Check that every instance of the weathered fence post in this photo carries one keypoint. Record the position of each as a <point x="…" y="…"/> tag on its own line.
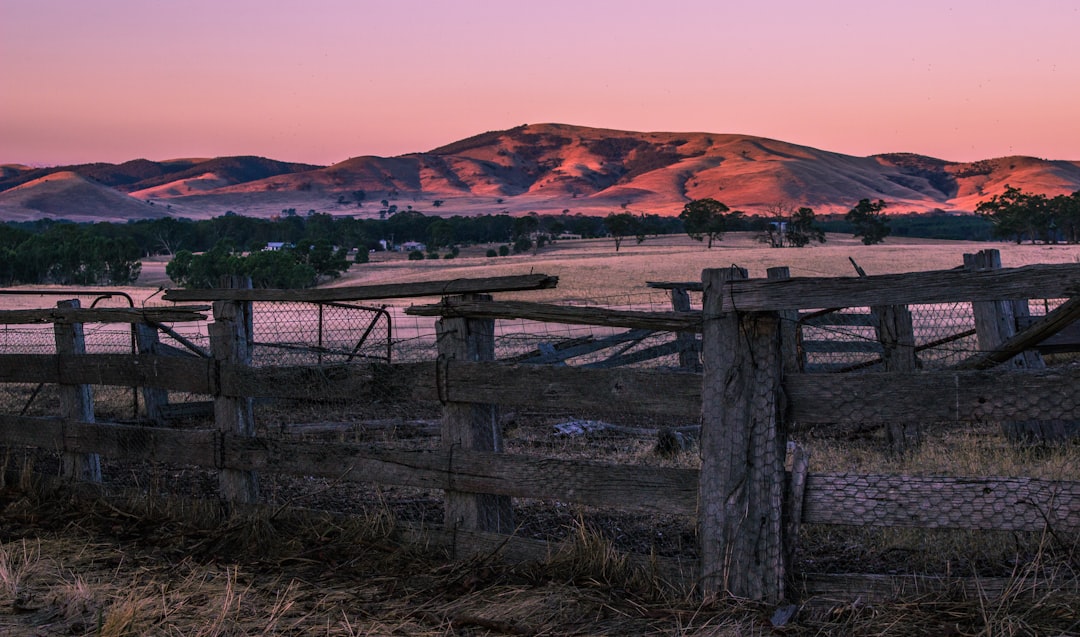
<point x="896" y="333"/>
<point x="743" y="445"/>
<point x="154" y="398"/>
<point x="995" y="323"/>
<point x="685" y="342"/>
<point x="471" y="426"/>
<point x="230" y="342"/>
<point x="76" y="401"/>
<point x="789" y="325"/>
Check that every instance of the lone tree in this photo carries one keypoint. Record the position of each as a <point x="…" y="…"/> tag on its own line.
<point x="705" y="218"/>
<point x="621" y="225"/>
<point x="870" y="222"/>
<point x="801" y="229"/>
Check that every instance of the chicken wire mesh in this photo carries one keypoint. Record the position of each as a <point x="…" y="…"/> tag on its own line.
<point x="100" y="338"/>
<point x="846" y="339"/>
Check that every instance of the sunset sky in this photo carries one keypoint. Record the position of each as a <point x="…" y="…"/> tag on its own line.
<point x="320" y="81"/>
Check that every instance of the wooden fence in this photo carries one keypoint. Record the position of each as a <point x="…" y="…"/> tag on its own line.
<point x="749" y="496"/>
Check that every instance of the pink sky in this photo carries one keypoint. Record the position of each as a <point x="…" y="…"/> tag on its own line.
<point x="320" y="81"/>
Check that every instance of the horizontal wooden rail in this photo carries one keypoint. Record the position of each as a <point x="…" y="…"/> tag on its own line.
<point x="673" y="394"/>
<point x="68" y="315"/>
<point x="120" y="442"/>
<point x="913" y="288"/>
<point x="188" y="374"/>
<point x="929" y="396"/>
<point x="635" y="488"/>
<point x="371" y="292"/>
<point x="983" y="503"/>
<point x="573" y="315"/>
<point x="935" y="396"/>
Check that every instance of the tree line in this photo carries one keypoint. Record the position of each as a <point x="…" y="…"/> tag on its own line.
<point x="315" y="246"/>
<point x="1017" y="215"/>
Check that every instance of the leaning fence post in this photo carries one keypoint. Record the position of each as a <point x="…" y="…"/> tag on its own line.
<point x="471" y="426"/>
<point x="76" y="401"/>
<point x="230" y="342"/>
<point x="743" y="446"/>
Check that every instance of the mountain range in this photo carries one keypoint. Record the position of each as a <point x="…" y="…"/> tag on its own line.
<point x="547" y="168"/>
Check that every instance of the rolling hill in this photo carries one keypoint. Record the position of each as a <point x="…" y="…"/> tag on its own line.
<point x="557" y="167"/>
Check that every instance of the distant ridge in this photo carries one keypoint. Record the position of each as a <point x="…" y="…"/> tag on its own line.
<point x="558" y="167"/>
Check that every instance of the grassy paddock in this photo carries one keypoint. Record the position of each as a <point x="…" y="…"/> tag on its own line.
<point x="74" y="563"/>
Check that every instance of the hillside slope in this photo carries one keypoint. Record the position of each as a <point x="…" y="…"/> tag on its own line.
<point x="558" y="167"/>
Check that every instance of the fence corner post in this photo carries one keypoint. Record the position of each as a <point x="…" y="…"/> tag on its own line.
<point x="76" y="401"/>
<point x="743" y="447"/>
<point x="471" y="426"/>
<point x="230" y="342"/>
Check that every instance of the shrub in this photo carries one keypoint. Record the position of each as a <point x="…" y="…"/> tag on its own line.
<point x="504" y="251"/>
<point x="492" y="252"/>
<point x="416" y="255"/>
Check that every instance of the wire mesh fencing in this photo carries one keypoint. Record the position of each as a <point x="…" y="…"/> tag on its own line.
<point x="100" y="338"/>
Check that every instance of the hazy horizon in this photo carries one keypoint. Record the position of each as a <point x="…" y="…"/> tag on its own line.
<point x="321" y="81"/>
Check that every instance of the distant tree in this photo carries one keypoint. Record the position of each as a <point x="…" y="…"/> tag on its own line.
<point x="1016" y="214"/>
<point x="491" y="252"/>
<point x="504" y="251"/>
<point x="869" y="221"/>
<point x="416" y="255"/>
<point x="704" y="218"/>
<point x="801" y="228"/>
<point x="777" y="216"/>
<point x="522" y="245"/>
<point x="525" y="226"/>
<point x="621" y="225"/>
<point x="1064" y="212"/>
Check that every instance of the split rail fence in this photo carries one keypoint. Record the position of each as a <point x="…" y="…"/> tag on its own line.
<point x="752" y="491"/>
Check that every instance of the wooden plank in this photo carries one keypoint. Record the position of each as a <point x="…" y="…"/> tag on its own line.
<point x="1002" y="504"/>
<point x="70" y="315"/>
<point x="934" y="396"/>
<point x="635" y="488"/>
<point x="674" y="394"/>
<point x="1064" y="315"/>
<point x="640" y="356"/>
<point x="307" y="382"/>
<point x="119" y="442"/>
<point x="180" y="374"/>
<point x="370" y="292"/>
<point x="1052" y="281"/>
<point x="24" y="431"/>
<point x="1066" y="340"/>
<point x="588" y="347"/>
<point x="573" y="315"/>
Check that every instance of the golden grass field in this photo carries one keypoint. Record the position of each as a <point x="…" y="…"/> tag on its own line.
<point x="74" y="564"/>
